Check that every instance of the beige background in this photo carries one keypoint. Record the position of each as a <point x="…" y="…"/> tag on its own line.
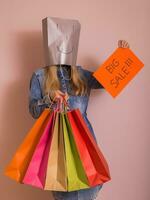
<point x="121" y="125"/>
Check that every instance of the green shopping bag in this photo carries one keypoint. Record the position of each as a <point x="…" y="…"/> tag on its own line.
<point x="76" y="176"/>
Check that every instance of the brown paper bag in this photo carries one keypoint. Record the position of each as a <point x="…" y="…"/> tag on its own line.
<point x="56" y="176"/>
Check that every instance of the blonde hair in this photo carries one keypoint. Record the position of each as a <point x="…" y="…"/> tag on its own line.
<point x="51" y="81"/>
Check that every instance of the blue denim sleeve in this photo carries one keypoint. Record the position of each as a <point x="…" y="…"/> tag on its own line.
<point x="36" y="104"/>
<point x="91" y="80"/>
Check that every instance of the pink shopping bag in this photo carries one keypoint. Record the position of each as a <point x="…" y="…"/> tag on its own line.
<point x="36" y="172"/>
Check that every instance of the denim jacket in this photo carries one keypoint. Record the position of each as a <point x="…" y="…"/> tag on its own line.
<point x="36" y="92"/>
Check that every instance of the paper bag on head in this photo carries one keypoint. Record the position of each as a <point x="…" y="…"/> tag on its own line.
<point x="118" y="70"/>
<point x="60" y="39"/>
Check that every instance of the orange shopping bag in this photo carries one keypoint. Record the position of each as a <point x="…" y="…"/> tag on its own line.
<point x="116" y="72"/>
<point x="16" y="169"/>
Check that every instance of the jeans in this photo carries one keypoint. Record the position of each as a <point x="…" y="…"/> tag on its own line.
<point x="84" y="194"/>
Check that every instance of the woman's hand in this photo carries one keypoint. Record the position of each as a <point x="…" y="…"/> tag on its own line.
<point x="123" y="44"/>
<point x="59" y="95"/>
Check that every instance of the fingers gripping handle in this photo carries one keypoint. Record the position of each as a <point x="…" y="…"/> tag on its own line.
<point x="61" y="105"/>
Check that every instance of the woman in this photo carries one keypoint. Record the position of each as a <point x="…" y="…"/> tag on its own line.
<point x="74" y="83"/>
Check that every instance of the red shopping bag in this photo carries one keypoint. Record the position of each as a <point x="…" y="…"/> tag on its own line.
<point x="94" y="163"/>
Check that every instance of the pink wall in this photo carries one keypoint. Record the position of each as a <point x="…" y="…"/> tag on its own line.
<point x="121" y="124"/>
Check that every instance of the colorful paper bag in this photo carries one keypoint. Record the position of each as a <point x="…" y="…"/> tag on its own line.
<point x="59" y="153"/>
<point x="76" y="175"/>
<point x="35" y="174"/>
<point x="17" y="167"/>
<point x="56" y="176"/>
<point x="94" y="163"/>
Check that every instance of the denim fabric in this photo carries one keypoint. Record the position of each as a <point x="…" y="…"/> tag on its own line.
<point x="36" y="94"/>
<point x="84" y="194"/>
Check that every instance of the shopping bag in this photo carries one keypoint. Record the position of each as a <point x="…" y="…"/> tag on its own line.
<point x="56" y="176"/>
<point x="17" y="167"/>
<point x="76" y="175"/>
<point x="59" y="153"/>
<point x="93" y="161"/>
<point x="35" y="174"/>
